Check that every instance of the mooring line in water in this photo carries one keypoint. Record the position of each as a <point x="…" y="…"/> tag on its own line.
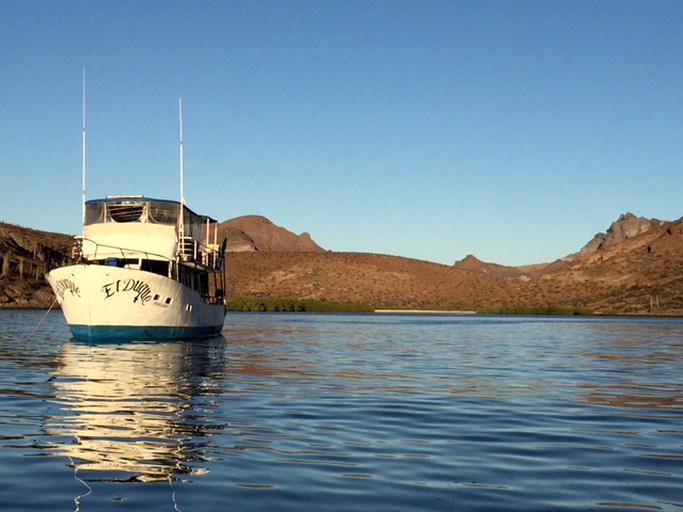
<point x="77" y="499"/>
<point x="175" y="503"/>
<point x="41" y="322"/>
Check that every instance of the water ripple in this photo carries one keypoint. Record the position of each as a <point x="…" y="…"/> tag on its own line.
<point x="340" y="412"/>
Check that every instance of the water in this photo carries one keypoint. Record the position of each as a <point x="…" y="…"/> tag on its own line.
<point x="293" y="412"/>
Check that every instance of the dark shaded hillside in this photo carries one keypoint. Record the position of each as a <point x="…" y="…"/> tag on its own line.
<point x="26" y="256"/>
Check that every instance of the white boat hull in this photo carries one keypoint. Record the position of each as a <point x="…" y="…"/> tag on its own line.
<point x="103" y="302"/>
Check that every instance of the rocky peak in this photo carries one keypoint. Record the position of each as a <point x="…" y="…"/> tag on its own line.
<point x="469" y="260"/>
<point x="625" y="227"/>
<point x="473" y="264"/>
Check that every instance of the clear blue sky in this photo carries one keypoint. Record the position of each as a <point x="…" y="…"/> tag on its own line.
<point x="512" y="130"/>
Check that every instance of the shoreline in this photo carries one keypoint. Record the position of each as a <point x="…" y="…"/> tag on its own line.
<point x="425" y="311"/>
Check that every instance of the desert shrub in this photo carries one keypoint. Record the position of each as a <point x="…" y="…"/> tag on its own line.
<point x="294" y="305"/>
<point x="552" y="309"/>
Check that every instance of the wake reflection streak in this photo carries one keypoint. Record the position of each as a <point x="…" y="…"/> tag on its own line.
<point x="128" y="408"/>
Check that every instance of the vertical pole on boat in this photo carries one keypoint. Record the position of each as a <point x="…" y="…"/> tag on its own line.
<point x="83" y="159"/>
<point x="181" y="227"/>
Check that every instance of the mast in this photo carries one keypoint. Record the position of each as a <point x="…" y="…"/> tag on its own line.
<point x="182" y="155"/>
<point x="181" y="226"/>
<point x="83" y="160"/>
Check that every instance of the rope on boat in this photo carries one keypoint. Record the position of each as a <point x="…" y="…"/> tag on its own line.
<point x="41" y="322"/>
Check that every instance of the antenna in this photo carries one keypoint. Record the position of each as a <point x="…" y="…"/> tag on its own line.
<point x="83" y="158"/>
<point x="181" y="226"/>
<point x="182" y="155"/>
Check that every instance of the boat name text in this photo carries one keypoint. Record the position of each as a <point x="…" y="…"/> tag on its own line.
<point x="67" y="285"/>
<point x="140" y="288"/>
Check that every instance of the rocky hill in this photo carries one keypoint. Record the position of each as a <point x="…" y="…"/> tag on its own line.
<point x="26" y="256"/>
<point x="383" y="281"/>
<point x="625" y="227"/>
<point x="636" y="268"/>
<point x="253" y="233"/>
<point x="641" y="274"/>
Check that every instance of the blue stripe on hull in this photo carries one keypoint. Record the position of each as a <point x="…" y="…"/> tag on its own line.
<point x="140" y="333"/>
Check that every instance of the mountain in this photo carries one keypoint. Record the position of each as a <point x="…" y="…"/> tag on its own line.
<point x="635" y="268"/>
<point x="253" y="233"/>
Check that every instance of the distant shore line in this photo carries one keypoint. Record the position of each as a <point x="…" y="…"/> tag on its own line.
<point x="416" y="312"/>
<point x="260" y="304"/>
<point x="426" y="311"/>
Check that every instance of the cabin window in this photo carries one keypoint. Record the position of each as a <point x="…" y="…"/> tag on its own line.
<point x="166" y="212"/>
<point x="125" y="212"/>
<point x="163" y="213"/>
<point x="94" y="213"/>
<point x="156" y="266"/>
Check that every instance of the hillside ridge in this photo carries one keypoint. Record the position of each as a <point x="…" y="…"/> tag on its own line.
<point x="634" y="271"/>
<point x="251" y="233"/>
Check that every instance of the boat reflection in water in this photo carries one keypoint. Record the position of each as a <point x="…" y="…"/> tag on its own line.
<point x="129" y="409"/>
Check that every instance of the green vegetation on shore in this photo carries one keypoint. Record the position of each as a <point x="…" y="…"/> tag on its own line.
<point x="536" y="310"/>
<point x="259" y="304"/>
<point x="322" y="305"/>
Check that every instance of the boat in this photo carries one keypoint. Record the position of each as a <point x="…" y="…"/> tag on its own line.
<point x="143" y="269"/>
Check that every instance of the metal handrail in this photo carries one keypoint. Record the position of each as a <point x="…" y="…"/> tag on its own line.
<point x="122" y="250"/>
<point x="197" y="251"/>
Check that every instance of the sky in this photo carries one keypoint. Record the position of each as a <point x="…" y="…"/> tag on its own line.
<point x="513" y="130"/>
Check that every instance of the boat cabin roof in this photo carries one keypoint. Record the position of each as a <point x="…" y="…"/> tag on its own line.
<point x="164" y="208"/>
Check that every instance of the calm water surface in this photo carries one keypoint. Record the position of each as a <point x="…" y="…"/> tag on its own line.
<point x="289" y="412"/>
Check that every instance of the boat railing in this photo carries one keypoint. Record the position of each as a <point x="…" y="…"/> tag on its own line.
<point x="194" y="251"/>
<point x="125" y="252"/>
<point x="189" y="250"/>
